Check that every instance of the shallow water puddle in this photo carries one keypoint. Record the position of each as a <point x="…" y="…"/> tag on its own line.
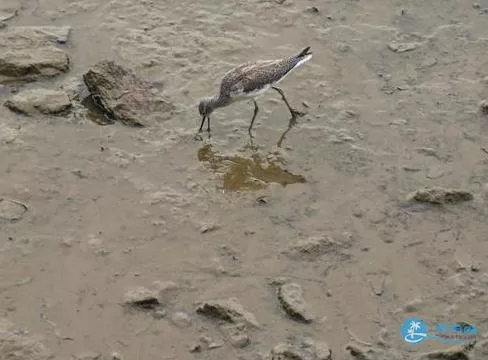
<point x="243" y="173"/>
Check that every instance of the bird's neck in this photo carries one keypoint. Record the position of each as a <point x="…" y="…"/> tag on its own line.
<point x="218" y="100"/>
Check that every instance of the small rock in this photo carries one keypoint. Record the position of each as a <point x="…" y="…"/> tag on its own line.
<point x="439" y="196"/>
<point x="402" y="47"/>
<point x="484" y="107"/>
<point x="142" y="298"/>
<point x="306" y="349"/>
<point x="457" y="353"/>
<point x="313" y="10"/>
<point x="12" y="210"/>
<point x="311" y="248"/>
<point x="399" y="122"/>
<point x="236" y="334"/>
<point x="159" y="314"/>
<point x="476" y="6"/>
<point x="3" y="25"/>
<point x="27" y="54"/>
<point x="43" y="101"/>
<point x="481" y="350"/>
<point x="205" y="228"/>
<point x="361" y="352"/>
<point x="229" y="310"/>
<point x="427" y="151"/>
<point x="7" y="15"/>
<point x="195" y="348"/>
<point x="114" y="355"/>
<point x="291" y="298"/>
<point x="88" y="356"/>
<point x="181" y="320"/>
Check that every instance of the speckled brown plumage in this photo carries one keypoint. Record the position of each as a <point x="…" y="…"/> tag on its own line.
<point x="250" y="80"/>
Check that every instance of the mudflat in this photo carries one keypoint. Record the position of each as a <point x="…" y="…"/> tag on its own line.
<point x="139" y="242"/>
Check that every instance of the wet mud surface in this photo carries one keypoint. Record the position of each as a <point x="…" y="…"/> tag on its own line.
<point x="318" y="223"/>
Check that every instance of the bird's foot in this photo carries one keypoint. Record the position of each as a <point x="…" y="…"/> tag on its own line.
<point x="296" y="114"/>
<point x="198" y="137"/>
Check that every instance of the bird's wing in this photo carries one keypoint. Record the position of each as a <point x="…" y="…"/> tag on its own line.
<point x="251" y="76"/>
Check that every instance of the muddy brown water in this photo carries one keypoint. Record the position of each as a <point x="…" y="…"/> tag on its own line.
<point x="112" y="207"/>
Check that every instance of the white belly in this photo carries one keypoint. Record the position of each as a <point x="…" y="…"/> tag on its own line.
<point x="252" y="94"/>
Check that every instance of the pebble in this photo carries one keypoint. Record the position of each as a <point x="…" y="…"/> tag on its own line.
<point x="236" y="334"/>
<point x="181" y="320"/>
<point x="439" y="196"/>
<point x="484" y="107"/>
<point x="229" y="310"/>
<point x="291" y="299"/>
<point x="142" y="298"/>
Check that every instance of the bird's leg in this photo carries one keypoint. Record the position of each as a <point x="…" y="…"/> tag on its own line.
<point x="208" y="127"/>
<point x="294" y="113"/>
<point x="198" y="136"/>
<point x="256" y="109"/>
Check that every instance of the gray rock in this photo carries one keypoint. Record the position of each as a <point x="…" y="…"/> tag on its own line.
<point x="12" y="210"/>
<point x="7" y="14"/>
<point x="402" y="47"/>
<point x="43" y="101"/>
<point x="181" y="320"/>
<point x="27" y="54"/>
<point x="16" y="344"/>
<point x="142" y="298"/>
<point x="484" y="107"/>
<point x="122" y="96"/>
<point x="481" y="350"/>
<point x="311" y="248"/>
<point x="291" y="299"/>
<point x="457" y="353"/>
<point x="439" y="196"/>
<point x="88" y="356"/>
<point x="306" y="349"/>
<point x="236" y="334"/>
<point x="229" y="310"/>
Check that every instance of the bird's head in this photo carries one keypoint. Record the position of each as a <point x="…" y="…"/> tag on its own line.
<point x="205" y="107"/>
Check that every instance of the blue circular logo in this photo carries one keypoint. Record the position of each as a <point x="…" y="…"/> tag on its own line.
<point x="414" y="331"/>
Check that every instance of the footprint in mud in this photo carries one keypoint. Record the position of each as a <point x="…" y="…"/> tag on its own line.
<point x="247" y="173"/>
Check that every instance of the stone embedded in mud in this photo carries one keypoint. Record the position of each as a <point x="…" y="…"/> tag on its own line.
<point x="17" y="345"/>
<point x="311" y="248"/>
<point x="39" y="101"/>
<point x="229" y="310"/>
<point x="142" y="298"/>
<point x="181" y="319"/>
<point x="122" y="96"/>
<point x="402" y="47"/>
<point x="291" y="299"/>
<point x="27" y="54"/>
<point x="306" y="349"/>
<point x="12" y="210"/>
<point x="7" y="15"/>
<point x="236" y="334"/>
<point x="439" y="196"/>
<point x="456" y="353"/>
<point x="484" y="107"/>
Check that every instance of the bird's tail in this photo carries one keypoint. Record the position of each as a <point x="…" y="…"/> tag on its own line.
<point x="304" y="52"/>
